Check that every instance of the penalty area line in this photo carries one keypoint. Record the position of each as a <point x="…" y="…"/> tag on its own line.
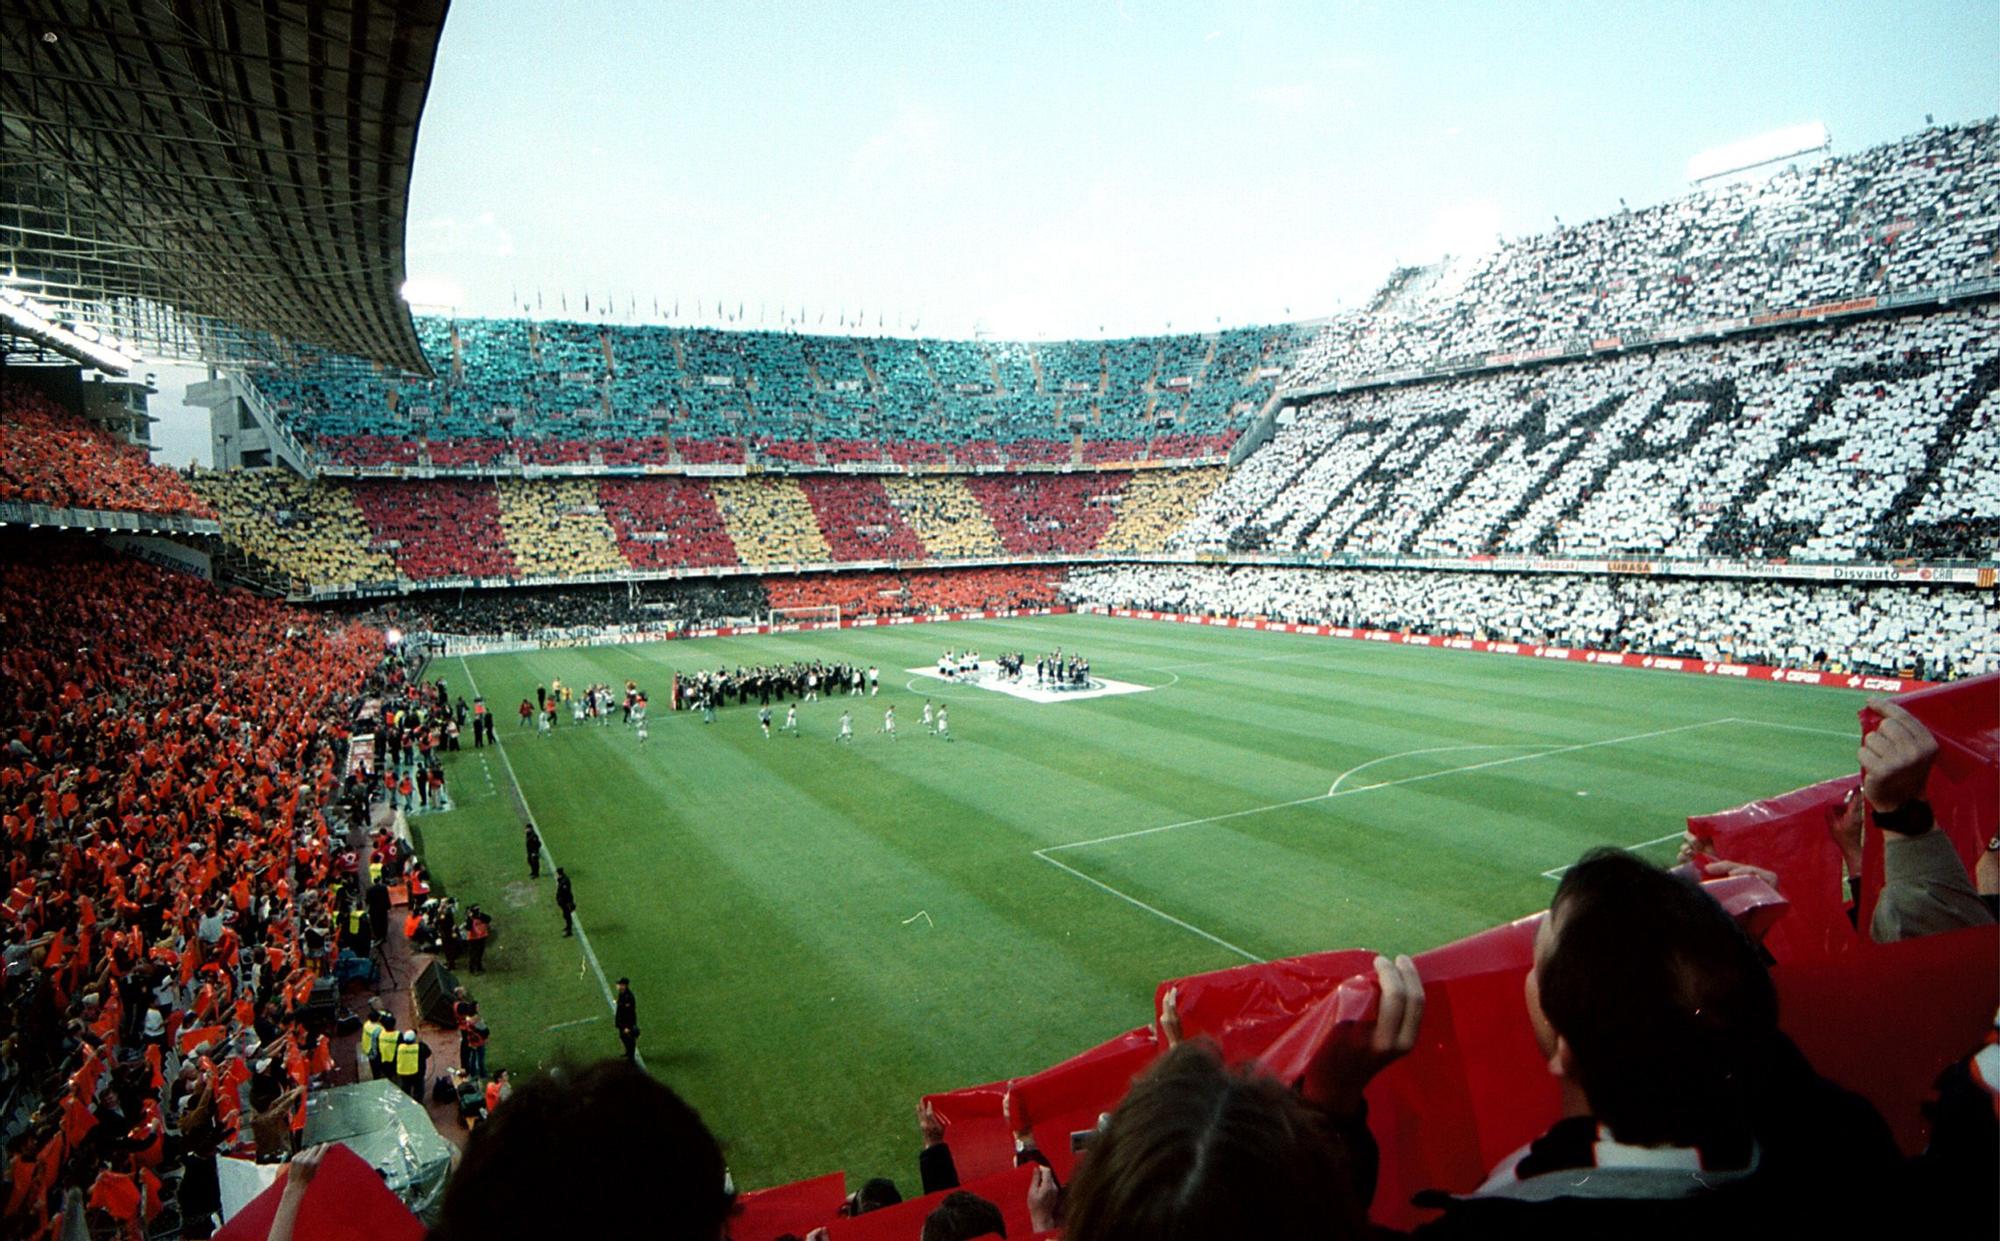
<point x="1155" y="910"/>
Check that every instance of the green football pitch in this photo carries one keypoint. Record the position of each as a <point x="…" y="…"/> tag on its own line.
<point x="819" y="933"/>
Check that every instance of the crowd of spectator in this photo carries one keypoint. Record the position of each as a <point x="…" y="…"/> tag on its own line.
<point x="771" y="521"/>
<point x="50" y="455"/>
<point x="556" y="612"/>
<point x="170" y="754"/>
<point x="511" y="390"/>
<point x="557" y="528"/>
<point x="946" y="516"/>
<point x="1907" y="215"/>
<point x="1157" y="503"/>
<point x="332" y="533"/>
<point x="665" y="523"/>
<point x="1932" y="632"/>
<point x="921" y="592"/>
<point x="1866" y="440"/>
<point x="441" y="528"/>
<point x="308" y="534"/>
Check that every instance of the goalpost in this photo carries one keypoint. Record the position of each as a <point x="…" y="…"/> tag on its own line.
<point x="825" y="614"/>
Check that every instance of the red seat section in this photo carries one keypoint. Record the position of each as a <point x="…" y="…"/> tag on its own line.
<point x="858" y="520"/>
<point x="668" y="522"/>
<point x="726" y="450"/>
<point x="438" y="528"/>
<point x="1040" y="513"/>
<point x="451" y="454"/>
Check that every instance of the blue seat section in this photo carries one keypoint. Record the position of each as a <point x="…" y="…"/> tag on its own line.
<point x="548" y="391"/>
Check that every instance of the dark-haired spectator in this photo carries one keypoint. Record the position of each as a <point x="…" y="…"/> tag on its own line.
<point x="1689" y="1112"/>
<point x="606" y="1151"/>
<point x="963" y="1216"/>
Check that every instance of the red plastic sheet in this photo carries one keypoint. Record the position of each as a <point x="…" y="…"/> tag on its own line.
<point x="976" y="1128"/>
<point x="1788" y="835"/>
<point x="1886" y="1020"/>
<point x="798" y="1208"/>
<point x="345" y="1202"/>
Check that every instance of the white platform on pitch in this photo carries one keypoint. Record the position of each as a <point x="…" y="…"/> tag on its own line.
<point x="1026" y="688"/>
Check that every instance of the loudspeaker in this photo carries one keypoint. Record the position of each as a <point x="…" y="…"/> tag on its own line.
<point x="431" y="995"/>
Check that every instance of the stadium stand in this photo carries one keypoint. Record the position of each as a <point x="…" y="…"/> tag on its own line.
<point x="136" y="818"/>
<point x="1908" y="215"/>
<point x="666" y="523"/>
<point x="945" y="514"/>
<point x="1838" y="443"/>
<point x="312" y="535"/>
<point x="441" y="528"/>
<point x="551" y="613"/>
<point x="1040" y="513"/>
<point x="1156" y="503"/>
<point x="858" y="519"/>
<point x="556" y="392"/>
<point x="557" y="528"/>
<point x="1932" y="633"/>
<point x="771" y="521"/>
<point x="917" y="593"/>
<point x="49" y="455"/>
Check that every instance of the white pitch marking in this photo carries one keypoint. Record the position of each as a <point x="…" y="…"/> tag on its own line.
<point x="564" y="1025"/>
<point x="603" y="983"/>
<point x="1151" y="909"/>
<point x="1854" y="736"/>
<point x="925" y="914"/>
<point x="1156" y="911"/>
<point x="1557" y="873"/>
<point x="1385" y="784"/>
<point x="1436" y="749"/>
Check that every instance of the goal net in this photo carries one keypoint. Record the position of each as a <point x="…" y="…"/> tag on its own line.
<point x="824" y="614"/>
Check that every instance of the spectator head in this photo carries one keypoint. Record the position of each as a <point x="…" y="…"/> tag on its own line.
<point x="963" y="1216"/>
<point x="1202" y="1150"/>
<point x="631" y="1157"/>
<point x="1652" y="1000"/>
<point x="876" y="1193"/>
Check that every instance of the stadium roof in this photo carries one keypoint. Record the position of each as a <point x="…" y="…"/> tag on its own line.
<point x="198" y="178"/>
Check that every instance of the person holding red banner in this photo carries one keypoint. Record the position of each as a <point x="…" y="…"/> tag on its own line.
<point x="1925" y="890"/>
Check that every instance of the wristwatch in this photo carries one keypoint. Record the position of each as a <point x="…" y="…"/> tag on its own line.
<point x="1912" y="818"/>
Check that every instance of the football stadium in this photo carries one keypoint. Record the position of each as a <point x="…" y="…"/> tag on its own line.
<point x="1512" y="748"/>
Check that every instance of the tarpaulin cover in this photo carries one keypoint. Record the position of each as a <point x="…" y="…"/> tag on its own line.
<point x="799" y="1208"/>
<point x="391" y="1131"/>
<point x="345" y="1202"/>
<point x="1789" y="836"/>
